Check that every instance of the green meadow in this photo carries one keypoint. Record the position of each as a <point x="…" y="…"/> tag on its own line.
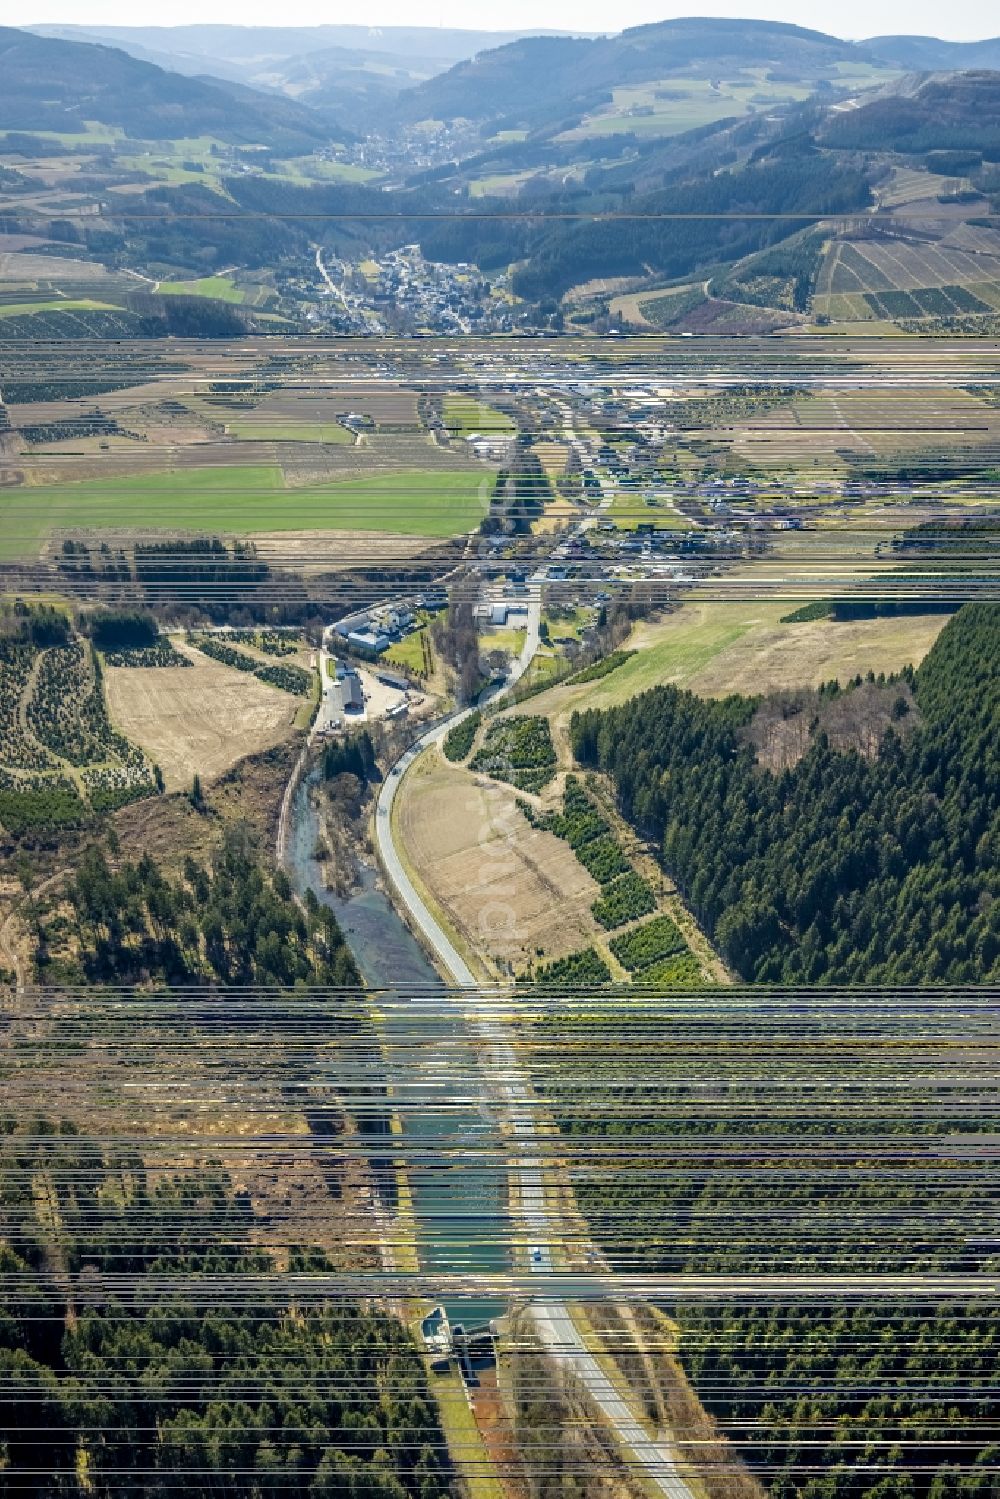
<point x="464" y="415"/>
<point x="221" y="288"/>
<point x="239" y="501"/>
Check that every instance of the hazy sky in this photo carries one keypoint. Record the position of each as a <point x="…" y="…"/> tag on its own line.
<point x="964" y="20"/>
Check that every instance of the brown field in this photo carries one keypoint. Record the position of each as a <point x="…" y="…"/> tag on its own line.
<point x="771" y="657"/>
<point x="197" y="720"/>
<point x="866" y="423"/>
<point x="504" y="888"/>
<point x="308" y="552"/>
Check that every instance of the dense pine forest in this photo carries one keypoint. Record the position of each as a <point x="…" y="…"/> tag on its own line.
<point x="140" y="1392"/>
<point x="837" y="837"/>
<point x="751" y="1148"/>
<point x="234" y="923"/>
<point x="846" y="836"/>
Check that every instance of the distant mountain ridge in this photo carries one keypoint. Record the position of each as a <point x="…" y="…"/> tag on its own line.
<point x="929" y="54"/>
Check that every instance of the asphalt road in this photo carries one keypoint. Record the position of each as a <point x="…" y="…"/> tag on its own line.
<point x="653" y="1460"/>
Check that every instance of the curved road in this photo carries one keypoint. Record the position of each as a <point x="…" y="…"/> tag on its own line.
<point x="652" y="1460"/>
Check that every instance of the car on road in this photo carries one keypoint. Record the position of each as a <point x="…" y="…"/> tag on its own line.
<point x="536" y="1256"/>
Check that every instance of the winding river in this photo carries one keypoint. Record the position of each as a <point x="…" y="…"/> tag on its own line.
<point x="451" y="1143"/>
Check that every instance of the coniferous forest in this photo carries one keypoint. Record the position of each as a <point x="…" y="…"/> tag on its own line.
<point x="114" y="1386"/>
<point x="868" y="856"/>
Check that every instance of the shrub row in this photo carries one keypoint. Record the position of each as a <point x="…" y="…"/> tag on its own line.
<point x="459" y="740"/>
<point x="582" y="969"/>
<point x="681" y="971"/>
<point x="163" y="653"/>
<point x="294" y="679"/>
<point x="603" y="859"/>
<point x="602" y="668"/>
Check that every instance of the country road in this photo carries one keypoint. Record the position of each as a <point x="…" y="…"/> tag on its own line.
<point x="558" y="1333"/>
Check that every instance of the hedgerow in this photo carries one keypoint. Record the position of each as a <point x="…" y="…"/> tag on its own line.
<point x="602" y="668"/>
<point x="459" y="740"/>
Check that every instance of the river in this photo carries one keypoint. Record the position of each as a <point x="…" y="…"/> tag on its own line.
<point x="451" y="1143"/>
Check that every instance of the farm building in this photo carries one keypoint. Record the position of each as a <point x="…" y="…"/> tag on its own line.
<point x="352" y="693"/>
<point x="368" y="640"/>
<point x="351" y="622"/>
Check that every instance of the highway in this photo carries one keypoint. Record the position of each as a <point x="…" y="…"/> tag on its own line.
<point x="652" y="1460"/>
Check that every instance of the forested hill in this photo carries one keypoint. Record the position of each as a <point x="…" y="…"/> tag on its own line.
<point x="557" y="72"/>
<point x="868" y="853"/>
<point x="49" y="84"/>
<point x="956" y="111"/>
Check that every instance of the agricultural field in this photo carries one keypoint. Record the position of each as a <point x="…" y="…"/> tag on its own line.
<point x="55" y="273"/>
<point x="509" y="897"/>
<point x="61" y="306"/>
<point x="899" y="279"/>
<point x="258" y="426"/>
<point x="243" y="501"/>
<point x="660" y="310"/>
<point x="61" y="756"/>
<point x="200" y="719"/>
<point x="915" y="185"/>
<point x="829" y="428"/>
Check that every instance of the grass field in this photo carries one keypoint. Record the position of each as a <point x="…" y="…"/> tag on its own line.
<point x="511" y="641"/>
<point x="55" y="304"/>
<point x="221" y="288"/>
<point x="306" y="169"/>
<point x="630" y="510"/>
<point x="243" y="500"/>
<point x="499" y="184"/>
<point x="743" y="647"/>
<point x="408" y="652"/>
<point x="670" y="105"/>
<point x="464" y="414"/>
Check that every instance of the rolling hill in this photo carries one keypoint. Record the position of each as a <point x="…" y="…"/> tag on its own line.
<point x="47" y="84"/>
<point x="929" y="54"/>
<point x="558" y="75"/>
